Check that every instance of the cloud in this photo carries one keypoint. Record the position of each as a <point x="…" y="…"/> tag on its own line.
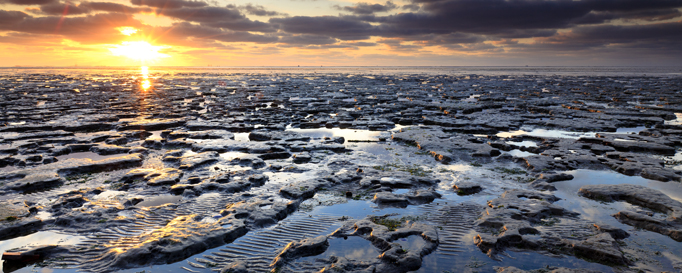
<point x="494" y="27"/>
<point x="64" y="9"/>
<point x="366" y="9"/>
<point x="27" y="2"/>
<point x="114" y="7"/>
<point x="308" y="40"/>
<point x="659" y="34"/>
<point x="219" y="17"/>
<point x="411" y="7"/>
<point x="97" y="28"/>
<point x="10" y="17"/>
<point x="500" y="17"/>
<point x="69" y="8"/>
<point x="336" y="27"/>
<point x="180" y="32"/>
<point x="599" y="17"/>
<point x="259" y="10"/>
<point x="169" y="4"/>
<point x="29" y="39"/>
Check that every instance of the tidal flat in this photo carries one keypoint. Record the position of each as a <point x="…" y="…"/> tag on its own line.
<point x="341" y="170"/>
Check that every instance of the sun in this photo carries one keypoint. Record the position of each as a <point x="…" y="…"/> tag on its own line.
<point x="139" y="51"/>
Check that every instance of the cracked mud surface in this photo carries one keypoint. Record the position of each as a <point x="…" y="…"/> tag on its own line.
<point x="340" y="171"/>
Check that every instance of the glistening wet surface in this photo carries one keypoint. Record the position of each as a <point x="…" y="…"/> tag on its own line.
<point x="352" y="247"/>
<point x="159" y="200"/>
<point x="38" y="239"/>
<point x="215" y="169"/>
<point x="89" y="155"/>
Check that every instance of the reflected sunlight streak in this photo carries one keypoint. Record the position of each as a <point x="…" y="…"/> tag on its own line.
<point x="145" y="83"/>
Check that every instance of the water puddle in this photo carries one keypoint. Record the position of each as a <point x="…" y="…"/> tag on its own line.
<point x="189" y="153"/>
<point x="632" y="130"/>
<point x="411" y="242"/>
<point x="525" y="143"/>
<point x="7" y="169"/>
<point x="37" y="239"/>
<point x="357" y="207"/>
<point x="43" y="215"/>
<point x="229" y="156"/>
<point x="592" y="177"/>
<point x="546" y="133"/>
<point x="677" y="121"/>
<point x="470" y="259"/>
<point x="641" y="241"/>
<point x="471" y="98"/>
<point x="351" y="247"/>
<point x="348" y="134"/>
<point x="156" y="135"/>
<point x="399" y="191"/>
<point x="109" y="195"/>
<point x="159" y="200"/>
<point x="518" y="153"/>
<point x="88" y="155"/>
<point x="241" y="137"/>
<point x="457" y="167"/>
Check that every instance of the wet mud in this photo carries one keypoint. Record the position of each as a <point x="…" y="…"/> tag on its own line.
<point x="340" y="171"/>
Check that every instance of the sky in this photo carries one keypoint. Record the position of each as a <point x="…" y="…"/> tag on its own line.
<point x="340" y="33"/>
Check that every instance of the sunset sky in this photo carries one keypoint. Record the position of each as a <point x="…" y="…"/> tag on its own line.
<point x="327" y="32"/>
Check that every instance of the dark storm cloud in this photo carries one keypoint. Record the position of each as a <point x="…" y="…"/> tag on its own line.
<point x="337" y="27"/>
<point x="627" y="34"/>
<point x="27" y="2"/>
<point x="646" y="15"/>
<point x="169" y="4"/>
<point x="500" y="16"/>
<point x="622" y="41"/>
<point x="365" y="8"/>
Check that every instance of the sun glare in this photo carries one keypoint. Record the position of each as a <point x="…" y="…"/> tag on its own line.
<point x="140" y="51"/>
<point x="127" y="30"/>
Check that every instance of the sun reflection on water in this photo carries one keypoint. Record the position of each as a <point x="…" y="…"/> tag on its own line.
<point x="145" y="83"/>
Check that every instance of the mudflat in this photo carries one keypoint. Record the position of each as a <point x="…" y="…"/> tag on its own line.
<point x="341" y="170"/>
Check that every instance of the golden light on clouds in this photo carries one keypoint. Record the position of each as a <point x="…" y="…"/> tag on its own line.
<point x="127" y="30"/>
<point x="139" y="51"/>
